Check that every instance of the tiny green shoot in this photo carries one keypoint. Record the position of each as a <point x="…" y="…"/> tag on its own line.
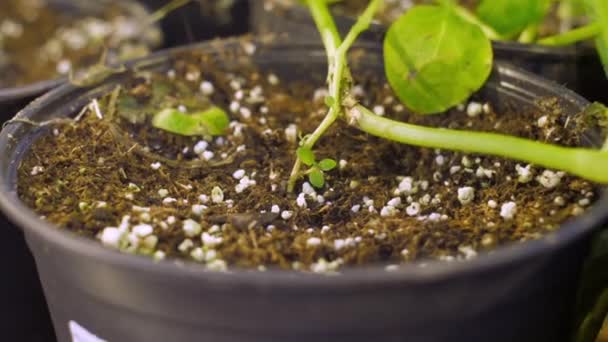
<point x="316" y="170"/>
<point x="213" y="121"/>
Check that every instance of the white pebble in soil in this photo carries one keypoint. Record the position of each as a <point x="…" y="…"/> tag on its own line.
<point x="508" y="210"/>
<point x="524" y="174"/>
<point x="550" y="179"/>
<point x="313" y="242"/>
<point x="413" y="209"/>
<point x="209" y="240"/>
<point x="474" y="109"/>
<point x="466" y="195"/>
<point x="191" y="228"/>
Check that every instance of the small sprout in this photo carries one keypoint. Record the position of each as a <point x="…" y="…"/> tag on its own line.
<point x="329" y="101"/>
<point x="315" y="172"/>
<point x="327" y="164"/>
<point x="213" y="121"/>
<point x="316" y="178"/>
<point x="306" y="155"/>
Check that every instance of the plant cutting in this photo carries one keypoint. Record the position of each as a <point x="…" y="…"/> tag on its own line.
<point x="420" y="50"/>
<point x="550" y="38"/>
<point x="190" y="156"/>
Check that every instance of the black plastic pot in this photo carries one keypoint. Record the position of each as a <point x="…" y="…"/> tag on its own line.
<point x="24" y="315"/>
<point x="522" y="292"/>
<point x="196" y="21"/>
<point x="577" y="67"/>
<point x="15" y="98"/>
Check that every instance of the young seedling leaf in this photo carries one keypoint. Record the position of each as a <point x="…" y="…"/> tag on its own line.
<point x="327" y="164"/>
<point x="511" y="17"/>
<point x="212" y="121"/>
<point x="306" y="155"/>
<point x="434" y="59"/>
<point x="598" y="10"/>
<point x="316" y="178"/>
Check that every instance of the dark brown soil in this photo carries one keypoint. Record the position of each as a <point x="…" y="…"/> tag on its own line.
<point x="88" y="175"/>
<point x="40" y="42"/>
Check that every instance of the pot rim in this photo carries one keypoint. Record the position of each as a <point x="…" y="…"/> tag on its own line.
<point x="134" y="8"/>
<point x="371" y="275"/>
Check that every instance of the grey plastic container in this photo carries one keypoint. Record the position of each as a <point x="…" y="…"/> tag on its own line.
<point x="23" y="311"/>
<point x="577" y="67"/>
<point x="522" y="292"/>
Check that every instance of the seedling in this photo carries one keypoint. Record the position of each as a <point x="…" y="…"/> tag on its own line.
<point x="316" y="170"/>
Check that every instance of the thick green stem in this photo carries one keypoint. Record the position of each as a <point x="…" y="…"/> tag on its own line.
<point x="326" y="27"/>
<point x="574" y="36"/>
<point x="576" y="161"/>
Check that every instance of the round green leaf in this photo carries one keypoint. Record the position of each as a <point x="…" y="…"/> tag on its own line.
<point x="316" y="178"/>
<point x="435" y="60"/>
<point x="306" y="155"/>
<point x="510" y="17"/>
<point x="327" y="164"/>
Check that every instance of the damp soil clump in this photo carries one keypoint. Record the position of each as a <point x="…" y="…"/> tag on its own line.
<point x="42" y="40"/>
<point x="222" y="201"/>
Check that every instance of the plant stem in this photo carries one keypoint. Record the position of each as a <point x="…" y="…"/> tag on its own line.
<point x="574" y="36"/>
<point x="473" y="19"/>
<point x="166" y="9"/>
<point x="338" y="71"/>
<point x="528" y="36"/>
<point x="573" y="160"/>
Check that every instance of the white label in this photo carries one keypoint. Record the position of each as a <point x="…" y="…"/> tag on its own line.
<point x="80" y="334"/>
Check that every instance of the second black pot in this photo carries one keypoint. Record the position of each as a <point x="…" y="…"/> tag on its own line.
<point x="576" y="67"/>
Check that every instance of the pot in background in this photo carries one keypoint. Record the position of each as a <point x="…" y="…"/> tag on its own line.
<point x="202" y="20"/>
<point x="12" y="99"/>
<point x="25" y="315"/>
<point x="522" y="292"/>
<point x="577" y="67"/>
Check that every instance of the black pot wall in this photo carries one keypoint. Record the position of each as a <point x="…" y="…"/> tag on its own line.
<point x="576" y="67"/>
<point x="523" y="292"/>
<point x="190" y="23"/>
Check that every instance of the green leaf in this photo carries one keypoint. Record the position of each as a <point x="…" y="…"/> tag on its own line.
<point x="212" y="121"/>
<point x="327" y="164"/>
<point x="316" y="178"/>
<point x="511" y="17"/>
<point x="329" y="101"/>
<point x="306" y="155"/>
<point x="598" y="11"/>
<point x="435" y="60"/>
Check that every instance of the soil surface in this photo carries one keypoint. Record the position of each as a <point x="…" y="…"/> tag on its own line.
<point x="222" y="201"/>
<point x="40" y="41"/>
